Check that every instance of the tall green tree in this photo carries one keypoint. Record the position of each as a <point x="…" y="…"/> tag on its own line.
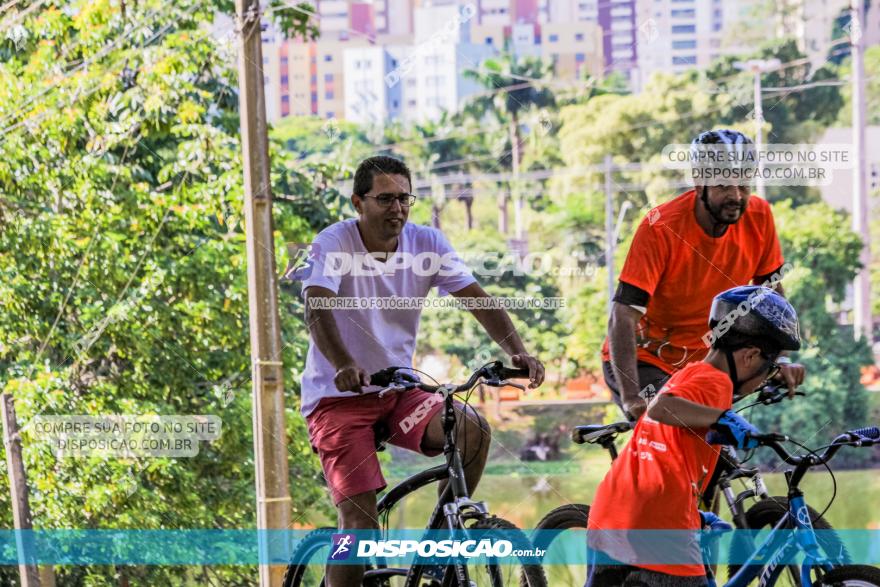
<point x="122" y="266"/>
<point x="515" y="87"/>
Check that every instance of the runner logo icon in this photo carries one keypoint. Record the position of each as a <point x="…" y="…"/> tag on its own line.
<point x="341" y="546"/>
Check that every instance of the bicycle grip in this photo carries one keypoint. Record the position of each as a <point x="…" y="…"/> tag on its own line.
<point x="514" y="373"/>
<point x="868" y="433"/>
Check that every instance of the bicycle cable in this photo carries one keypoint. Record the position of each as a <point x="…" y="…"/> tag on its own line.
<point x="830" y="472"/>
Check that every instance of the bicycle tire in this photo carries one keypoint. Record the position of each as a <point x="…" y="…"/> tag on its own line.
<point x="296" y="571"/>
<point x="303" y="575"/>
<point x="532" y="574"/>
<point x="766" y="513"/>
<point x="565" y="517"/>
<point x="850" y="576"/>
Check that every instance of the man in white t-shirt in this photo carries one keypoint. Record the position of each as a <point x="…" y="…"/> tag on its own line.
<point x="379" y="255"/>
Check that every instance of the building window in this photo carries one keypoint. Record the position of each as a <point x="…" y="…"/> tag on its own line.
<point x="328" y="58"/>
<point x="314" y="79"/>
<point x="684" y="13"/>
<point x="284" y="60"/>
<point x="684" y="44"/>
<point x="716" y="27"/>
<point x="687" y="60"/>
<point x="328" y="78"/>
<point x="715" y="43"/>
<point x="284" y="79"/>
<point x="328" y="95"/>
<point x="488" y="40"/>
<point x="579" y="36"/>
<point x="553" y="37"/>
<point x="285" y="99"/>
<point x="579" y="57"/>
<point x="683" y="29"/>
<point x="330" y="115"/>
<point x="394" y="104"/>
<point x="411" y="103"/>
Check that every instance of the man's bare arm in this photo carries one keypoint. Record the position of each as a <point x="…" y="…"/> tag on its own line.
<point x="622" y="346"/>
<point x="498" y="325"/>
<point x="322" y="326"/>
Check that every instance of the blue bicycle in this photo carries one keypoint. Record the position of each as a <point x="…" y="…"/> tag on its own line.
<point x="819" y="568"/>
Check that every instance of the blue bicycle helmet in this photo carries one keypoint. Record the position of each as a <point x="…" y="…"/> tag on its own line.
<point x="754" y="313"/>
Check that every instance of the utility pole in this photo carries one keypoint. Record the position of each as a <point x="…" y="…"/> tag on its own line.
<point x="270" y="440"/>
<point x="862" y="320"/>
<point x="609" y="230"/>
<point x="18" y="492"/>
<point x="757" y="67"/>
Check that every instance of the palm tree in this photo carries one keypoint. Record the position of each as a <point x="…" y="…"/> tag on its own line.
<point x="516" y="86"/>
<point x="426" y="145"/>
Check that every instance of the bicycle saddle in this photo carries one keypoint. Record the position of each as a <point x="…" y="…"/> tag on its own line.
<point x="596" y="433"/>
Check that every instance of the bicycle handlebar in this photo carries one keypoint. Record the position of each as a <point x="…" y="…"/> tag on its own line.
<point x="770" y="393"/>
<point x="859" y="437"/>
<point x="494" y="374"/>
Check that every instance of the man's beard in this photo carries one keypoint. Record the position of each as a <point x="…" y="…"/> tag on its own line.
<point x="720" y="213"/>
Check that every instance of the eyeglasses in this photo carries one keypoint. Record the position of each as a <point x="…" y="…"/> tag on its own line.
<point x="774" y="368"/>
<point x="386" y="200"/>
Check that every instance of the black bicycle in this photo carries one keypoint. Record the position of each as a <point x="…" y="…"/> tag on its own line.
<point x="764" y="514"/>
<point x="455" y="509"/>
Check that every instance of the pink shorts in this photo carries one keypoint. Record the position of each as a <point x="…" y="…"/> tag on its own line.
<point x="341" y="431"/>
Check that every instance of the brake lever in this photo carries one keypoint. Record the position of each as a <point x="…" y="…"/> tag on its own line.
<point x="390" y="389"/>
<point x="503" y="383"/>
<point x="519" y="386"/>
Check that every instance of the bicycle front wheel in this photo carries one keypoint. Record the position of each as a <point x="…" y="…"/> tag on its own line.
<point x="494" y="574"/>
<point x="309" y="560"/>
<point x="765" y="514"/>
<point x="572" y="516"/>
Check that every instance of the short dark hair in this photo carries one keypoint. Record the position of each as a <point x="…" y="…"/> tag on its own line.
<point x="363" y="176"/>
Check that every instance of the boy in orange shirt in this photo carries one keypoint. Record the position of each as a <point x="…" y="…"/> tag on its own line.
<point x="662" y="472"/>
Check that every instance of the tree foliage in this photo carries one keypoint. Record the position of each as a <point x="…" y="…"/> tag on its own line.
<point x="123" y="266"/>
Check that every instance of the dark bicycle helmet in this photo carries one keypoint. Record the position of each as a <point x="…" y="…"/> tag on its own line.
<point x="752" y="315"/>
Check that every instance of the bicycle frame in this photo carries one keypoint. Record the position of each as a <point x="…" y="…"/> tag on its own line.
<point x="454" y="504"/>
<point x="731" y="470"/>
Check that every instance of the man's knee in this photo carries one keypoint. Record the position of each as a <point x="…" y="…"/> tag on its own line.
<point x="476" y="431"/>
<point x="358" y="512"/>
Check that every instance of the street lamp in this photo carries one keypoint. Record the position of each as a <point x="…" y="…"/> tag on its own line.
<point x="757" y="67"/>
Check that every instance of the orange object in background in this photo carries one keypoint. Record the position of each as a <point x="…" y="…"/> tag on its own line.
<point x="508" y="394"/>
<point x="870" y="377"/>
<point x="586" y="386"/>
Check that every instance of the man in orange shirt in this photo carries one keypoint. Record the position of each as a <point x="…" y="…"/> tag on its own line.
<point x="667" y="464"/>
<point x="685" y="252"/>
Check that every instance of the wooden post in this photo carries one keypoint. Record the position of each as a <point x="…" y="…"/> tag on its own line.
<point x="270" y="441"/>
<point x="21" y="511"/>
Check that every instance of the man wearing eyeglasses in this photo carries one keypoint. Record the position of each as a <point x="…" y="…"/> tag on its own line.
<point x="346" y="345"/>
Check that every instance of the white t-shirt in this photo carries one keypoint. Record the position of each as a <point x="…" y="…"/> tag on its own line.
<point x="375" y="338"/>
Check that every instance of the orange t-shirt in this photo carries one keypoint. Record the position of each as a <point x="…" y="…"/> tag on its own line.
<point x="657" y="481"/>
<point x="682" y="269"/>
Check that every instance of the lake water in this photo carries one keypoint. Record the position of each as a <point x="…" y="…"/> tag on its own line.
<point x="525" y="492"/>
